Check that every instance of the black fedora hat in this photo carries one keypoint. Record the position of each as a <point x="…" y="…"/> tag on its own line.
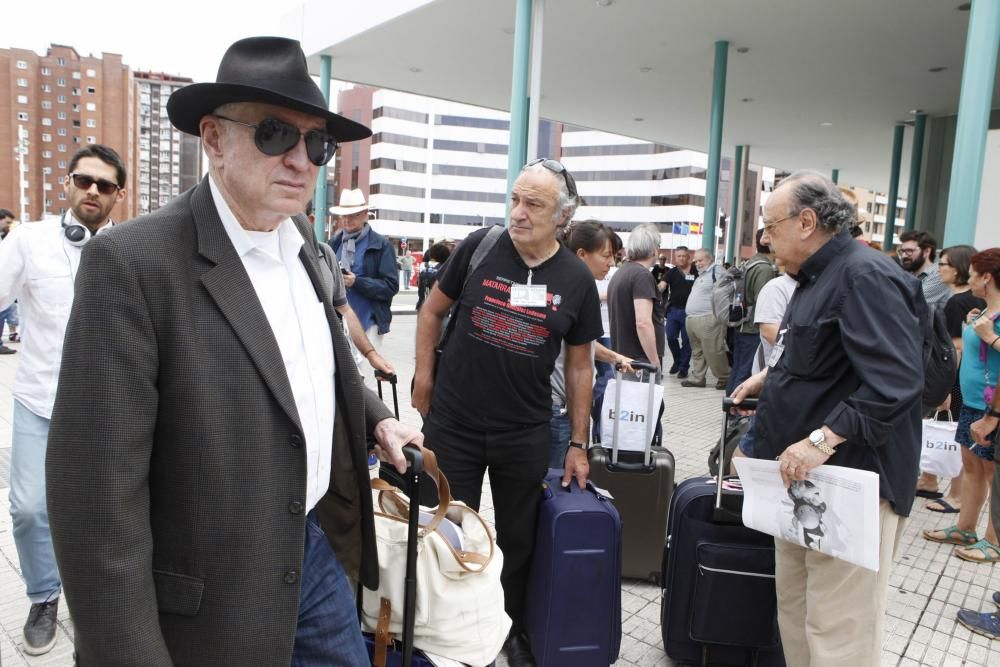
<point x="260" y="69"/>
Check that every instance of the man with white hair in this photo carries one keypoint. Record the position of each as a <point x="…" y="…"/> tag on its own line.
<point x="488" y="404"/>
<point x="633" y="300"/>
<point x="208" y="486"/>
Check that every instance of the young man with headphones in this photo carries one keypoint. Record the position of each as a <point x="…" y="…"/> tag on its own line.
<point x="38" y="265"/>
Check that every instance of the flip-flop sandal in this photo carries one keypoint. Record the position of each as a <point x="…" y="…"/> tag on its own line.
<point x="952" y="535"/>
<point x="930" y="495"/>
<point x="942" y="506"/>
<point x="983" y="547"/>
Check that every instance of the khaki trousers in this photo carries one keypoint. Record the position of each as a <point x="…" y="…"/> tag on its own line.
<point x="708" y="344"/>
<point x="830" y="612"/>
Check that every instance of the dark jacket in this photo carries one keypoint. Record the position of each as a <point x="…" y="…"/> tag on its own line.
<point x="379" y="280"/>
<point x="176" y="462"/>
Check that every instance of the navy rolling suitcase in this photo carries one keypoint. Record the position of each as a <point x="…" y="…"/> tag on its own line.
<point x="573" y="604"/>
<point x="641" y="484"/>
<point x="719" y="605"/>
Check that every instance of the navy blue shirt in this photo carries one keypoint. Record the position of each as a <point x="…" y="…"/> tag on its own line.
<point x="853" y="360"/>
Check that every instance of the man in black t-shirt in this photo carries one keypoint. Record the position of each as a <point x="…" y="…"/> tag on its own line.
<point x="679" y="280"/>
<point x="490" y="404"/>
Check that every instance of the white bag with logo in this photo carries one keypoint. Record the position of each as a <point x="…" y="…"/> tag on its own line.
<point x="939" y="453"/>
<point x="636" y="417"/>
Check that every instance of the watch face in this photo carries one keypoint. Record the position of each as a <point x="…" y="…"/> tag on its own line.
<point x="816" y="437"/>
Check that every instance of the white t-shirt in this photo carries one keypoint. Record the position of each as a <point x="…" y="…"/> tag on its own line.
<point x="602" y="293"/>
<point x="770" y="309"/>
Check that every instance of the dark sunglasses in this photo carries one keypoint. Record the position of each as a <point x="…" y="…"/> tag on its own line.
<point x="276" y="137"/>
<point x="84" y="182"/>
<point x="557" y="167"/>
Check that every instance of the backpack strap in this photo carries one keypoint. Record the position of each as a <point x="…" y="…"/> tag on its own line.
<point x="478" y="255"/>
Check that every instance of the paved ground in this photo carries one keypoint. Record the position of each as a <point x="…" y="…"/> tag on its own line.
<point x="928" y="585"/>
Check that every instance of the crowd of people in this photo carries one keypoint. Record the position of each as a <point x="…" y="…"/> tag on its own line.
<point x="191" y="432"/>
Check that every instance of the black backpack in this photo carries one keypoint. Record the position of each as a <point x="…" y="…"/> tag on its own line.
<point x="940" y="361"/>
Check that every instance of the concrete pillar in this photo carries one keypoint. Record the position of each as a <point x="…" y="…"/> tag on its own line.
<point x="890" y="207"/>
<point x="916" y="160"/>
<point x="320" y="204"/>
<point x="519" y="101"/>
<point x="734" y="208"/>
<point x="978" y="78"/>
<point x="711" y="216"/>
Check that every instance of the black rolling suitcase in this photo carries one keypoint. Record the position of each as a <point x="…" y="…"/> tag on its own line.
<point x="402" y="653"/>
<point x="641" y="484"/>
<point x="719" y="605"/>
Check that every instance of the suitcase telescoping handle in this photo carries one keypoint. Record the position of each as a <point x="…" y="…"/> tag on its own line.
<point x="648" y="456"/>
<point x="727" y="406"/>
<point x="415" y="457"/>
<point x="392" y="379"/>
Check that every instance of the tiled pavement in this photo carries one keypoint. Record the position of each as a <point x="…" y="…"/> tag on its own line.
<point x="928" y="584"/>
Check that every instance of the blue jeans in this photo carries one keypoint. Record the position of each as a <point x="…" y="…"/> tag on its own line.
<point x="744" y="349"/>
<point x="746" y="442"/>
<point x="328" y="632"/>
<point x="605" y="372"/>
<point x="559" y="429"/>
<point x="27" y="505"/>
<point x="681" y="352"/>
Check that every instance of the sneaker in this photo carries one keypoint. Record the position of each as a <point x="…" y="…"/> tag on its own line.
<point x="721" y="384"/>
<point x="673" y="370"/>
<point x="14" y="338"/>
<point x="6" y="350"/>
<point x="682" y="374"/>
<point x="40" y="628"/>
<point x="987" y="625"/>
<point x="689" y="383"/>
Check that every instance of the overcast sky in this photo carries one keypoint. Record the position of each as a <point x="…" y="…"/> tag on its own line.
<point x="180" y="37"/>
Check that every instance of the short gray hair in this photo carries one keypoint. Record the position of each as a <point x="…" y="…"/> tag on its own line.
<point x="643" y="242"/>
<point x="566" y="204"/>
<point x="810" y="189"/>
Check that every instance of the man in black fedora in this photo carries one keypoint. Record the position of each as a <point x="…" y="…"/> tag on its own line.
<point x="209" y="432"/>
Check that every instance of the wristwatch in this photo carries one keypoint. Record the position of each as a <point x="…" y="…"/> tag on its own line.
<point x="818" y="440"/>
<point x="990" y="412"/>
<point x="578" y="445"/>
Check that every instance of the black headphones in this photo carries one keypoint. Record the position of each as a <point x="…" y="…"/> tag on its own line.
<point x="75" y="233"/>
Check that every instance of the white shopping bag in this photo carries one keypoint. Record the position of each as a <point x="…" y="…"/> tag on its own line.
<point x="635" y="423"/>
<point x="939" y="453"/>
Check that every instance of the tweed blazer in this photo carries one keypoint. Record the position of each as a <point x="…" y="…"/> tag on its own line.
<point x="176" y="469"/>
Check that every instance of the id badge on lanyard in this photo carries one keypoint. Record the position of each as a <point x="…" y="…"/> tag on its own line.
<point x="530" y="296"/>
<point x="777" y="350"/>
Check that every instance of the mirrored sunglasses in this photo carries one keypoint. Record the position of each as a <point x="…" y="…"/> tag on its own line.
<point x="276" y="137"/>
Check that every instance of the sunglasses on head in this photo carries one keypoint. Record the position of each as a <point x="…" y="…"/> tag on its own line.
<point x="557" y="167"/>
<point x="276" y="137"/>
<point x="84" y="182"/>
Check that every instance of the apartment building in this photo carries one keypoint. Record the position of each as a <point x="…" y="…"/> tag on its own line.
<point x="55" y="104"/>
<point x="167" y="161"/>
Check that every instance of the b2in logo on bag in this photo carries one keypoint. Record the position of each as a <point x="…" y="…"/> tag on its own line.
<point x="941" y="445"/>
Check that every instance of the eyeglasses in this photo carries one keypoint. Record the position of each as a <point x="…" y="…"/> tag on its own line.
<point x="768" y="226"/>
<point x="557" y="167"/>
<point x="276" y="137"/>
<point x="84" y="182"/>
<point x="908" y="251"/>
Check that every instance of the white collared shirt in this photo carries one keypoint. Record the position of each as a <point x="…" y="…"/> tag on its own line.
<point x="301" y="329"/>
<point x="37" y="267"/>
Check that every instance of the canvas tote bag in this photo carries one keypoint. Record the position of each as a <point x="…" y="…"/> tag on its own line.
<point x="459" y="600"/>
